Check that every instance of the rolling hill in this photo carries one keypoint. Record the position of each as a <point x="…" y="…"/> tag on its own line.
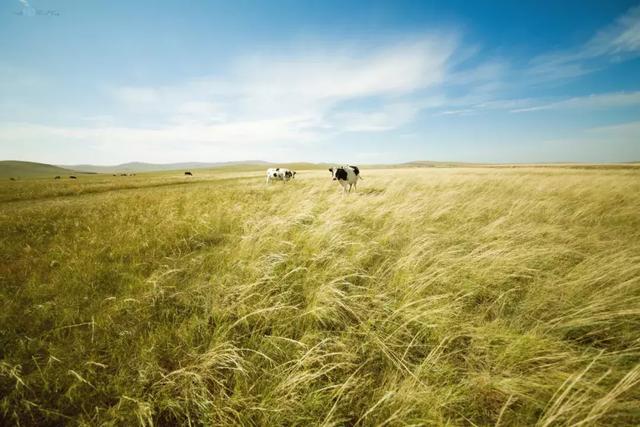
<point x="20" y="169"/>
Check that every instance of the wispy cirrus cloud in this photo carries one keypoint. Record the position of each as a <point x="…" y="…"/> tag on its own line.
<point x="264" y="99"/>
<point x="620" y="38"/>
<point x="322" y="91"/>
<point x="618" y="41"/>
<point x="310" y="81"/>
<point x="602" y="101"/>
<point x="387" y="117"/>
<point x="595" y="101"/>
<point x="490" y="83"/>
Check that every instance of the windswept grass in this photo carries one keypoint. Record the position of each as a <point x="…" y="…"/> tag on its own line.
<point x="431" y="297"/>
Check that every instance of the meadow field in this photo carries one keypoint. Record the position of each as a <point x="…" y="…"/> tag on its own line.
<point x="432" y="296"/>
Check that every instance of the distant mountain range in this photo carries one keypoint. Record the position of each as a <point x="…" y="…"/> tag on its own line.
<point x="154" y="167"/>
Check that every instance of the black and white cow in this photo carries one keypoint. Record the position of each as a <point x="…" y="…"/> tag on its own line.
<point x="280" y="174"/>
<point x="347" y="176"/>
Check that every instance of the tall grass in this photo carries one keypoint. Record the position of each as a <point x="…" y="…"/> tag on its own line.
<point x="431" y="297"/>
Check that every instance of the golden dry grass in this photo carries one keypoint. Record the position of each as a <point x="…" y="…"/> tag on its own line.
<point x="432" y="297"/>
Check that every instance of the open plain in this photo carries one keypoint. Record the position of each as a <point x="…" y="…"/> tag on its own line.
<point x="432" y="296"/>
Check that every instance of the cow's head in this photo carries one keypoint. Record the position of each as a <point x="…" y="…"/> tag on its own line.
<point x="338" y="174"/>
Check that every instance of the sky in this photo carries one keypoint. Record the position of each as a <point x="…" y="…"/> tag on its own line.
<point x="88" y="82"/>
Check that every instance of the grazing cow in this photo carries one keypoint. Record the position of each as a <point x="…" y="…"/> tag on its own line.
<point x="188" y="173"/>
<point x="72" y="177"/>
<point x="12" y="179"/>
<point x="56" y="177"/>
<point x="123" y="174"/>
<point x="280" y="174"/>
<point x="346" y="176"/>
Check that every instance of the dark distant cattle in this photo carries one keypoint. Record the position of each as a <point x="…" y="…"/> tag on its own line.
<point x="73" y="177"/>
<point x="56" y="177"/>
<point x="123" y="174"/>
<point x="346" y="176"/>
<point x="115" y="174"/>
<point x="188" y="173"/>
<point x="12" y="179"/>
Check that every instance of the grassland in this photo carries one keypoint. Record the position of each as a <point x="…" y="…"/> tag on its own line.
<point x="453" y="296"/>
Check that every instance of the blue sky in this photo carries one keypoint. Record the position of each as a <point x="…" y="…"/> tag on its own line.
<point x="320" y="81"/>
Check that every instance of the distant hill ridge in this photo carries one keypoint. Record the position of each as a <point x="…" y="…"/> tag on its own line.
<point x="154" y="167"/>
<point x="17" y="169"/>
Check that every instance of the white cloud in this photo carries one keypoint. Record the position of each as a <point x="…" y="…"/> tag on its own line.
<point x="617" y="41"/>
<point x="459" y="112"/>
<point x="240" y="132"/>
<point x="363" y="89"/>
<point x="231" y="141"/>
<point x="198" y="112"/>
<point x="549" y="67"/>
<point x="394" y="69"/>
<point x="265" y="101"/>
<point x="590" y="102"/>
<point x="261" y="104"/>
<point x="137" y="96"/>
<point x="622" y="37"/>
<point x="599" y="101"/>
<point x="486" y="72"/>
<point x="390" y="116"/>
<point x="475" y="107"/>
<point x="309" y="81"/>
